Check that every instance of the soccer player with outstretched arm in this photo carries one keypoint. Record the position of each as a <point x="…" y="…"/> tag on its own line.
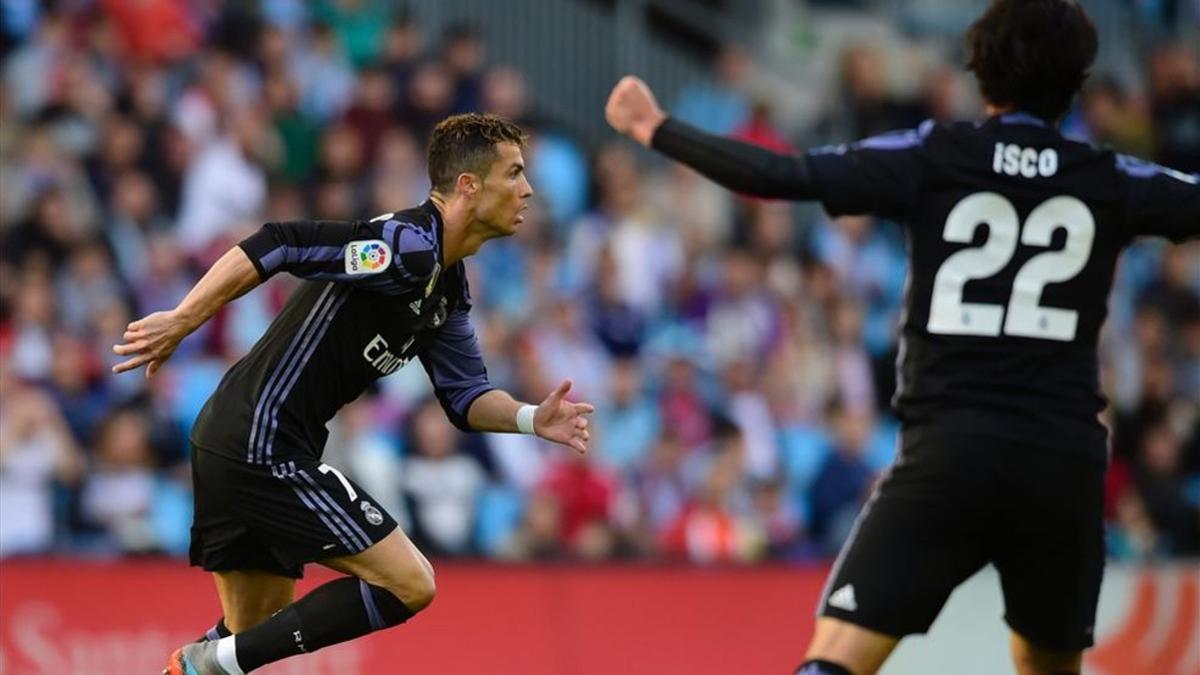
<point x="1013" y="235"/>
<point x="378" y="294"/>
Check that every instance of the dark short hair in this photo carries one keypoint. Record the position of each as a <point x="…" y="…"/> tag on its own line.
<point x="467" y="144"/>
<point x="1032" y="54"/>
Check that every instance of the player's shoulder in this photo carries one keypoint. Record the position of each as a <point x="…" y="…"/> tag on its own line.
<point x="1136" y="168"/>
<point x="411" y="236"/>
<point x="890" y="141"/>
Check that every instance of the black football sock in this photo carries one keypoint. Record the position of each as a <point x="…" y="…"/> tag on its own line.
<point x="335" y="612"/>
<point x="822" y="667"/>
<point x="220" y="630"/>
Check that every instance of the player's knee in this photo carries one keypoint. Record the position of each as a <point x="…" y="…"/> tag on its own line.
<point x="415" y="587"/>
<point x="423" y="590"/>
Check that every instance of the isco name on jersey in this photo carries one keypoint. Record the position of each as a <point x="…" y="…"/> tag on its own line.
<point x="1013" y="160"/>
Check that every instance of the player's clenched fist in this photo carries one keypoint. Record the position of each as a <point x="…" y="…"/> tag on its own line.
<point x="632" y="110"/>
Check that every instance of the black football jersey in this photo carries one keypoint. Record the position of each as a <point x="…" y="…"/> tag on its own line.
<point x="375" y="297"/>
<point x="1013" y="233"/>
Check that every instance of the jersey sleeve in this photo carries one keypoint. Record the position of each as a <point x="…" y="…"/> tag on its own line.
<point x="455" y="367"/>
<point x="733" y="164"/>
<point x="383" y="254"/>
<point x="879" y="176"/>
<point x="1161" y="202"/>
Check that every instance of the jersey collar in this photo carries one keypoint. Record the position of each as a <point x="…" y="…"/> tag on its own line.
<point x="1022" y="117"/>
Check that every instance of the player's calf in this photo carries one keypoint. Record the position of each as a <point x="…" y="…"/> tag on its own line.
<point x="335" y="612"/>
<point x="338" y="611"/>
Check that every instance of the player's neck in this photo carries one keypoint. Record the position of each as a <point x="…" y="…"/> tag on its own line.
<point x="461" y="233"/>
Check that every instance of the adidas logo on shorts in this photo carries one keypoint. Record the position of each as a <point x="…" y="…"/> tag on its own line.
<point x="843" y="598"/>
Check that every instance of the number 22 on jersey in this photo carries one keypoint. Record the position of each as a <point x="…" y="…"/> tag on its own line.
<point x="1025" y="317"/>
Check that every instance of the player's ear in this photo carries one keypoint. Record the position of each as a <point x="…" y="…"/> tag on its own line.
<point x="468" y="184"/>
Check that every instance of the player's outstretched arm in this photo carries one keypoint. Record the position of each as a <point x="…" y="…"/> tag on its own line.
<point x="749" y="169"/>
<point x="555" y="419"/>
<point x="150" y="341"/>
<point x="1162" y="202"/>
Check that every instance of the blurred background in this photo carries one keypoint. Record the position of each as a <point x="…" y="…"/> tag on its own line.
<point x="740" y="352"/>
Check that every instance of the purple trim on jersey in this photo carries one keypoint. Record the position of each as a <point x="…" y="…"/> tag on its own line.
<point x="212" y="634"/>
<point x="299" y="254"/>
<point x="412" y="240"/>
<point x="905" y="139"/>
<point x="339" y="276"/>
<point x="373" y="613"/>
<point x="389" y="232"/>
<point x="1135" y="167"/>
<point x="323" y="323"/>
<point x="271" y="261"/>
<point x="253" y="451"/>
<point x="1023" y="118"/>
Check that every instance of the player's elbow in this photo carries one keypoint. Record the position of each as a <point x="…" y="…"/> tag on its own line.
<point x="458" y="409"/>
<point x="458" y="419"/>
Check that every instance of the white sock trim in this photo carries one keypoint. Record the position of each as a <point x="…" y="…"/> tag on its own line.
<point x="227" y="655"/>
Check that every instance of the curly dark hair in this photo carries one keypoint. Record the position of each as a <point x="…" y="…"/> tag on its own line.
<point x="1032" y="54"/>
<point x="467" y="144"/>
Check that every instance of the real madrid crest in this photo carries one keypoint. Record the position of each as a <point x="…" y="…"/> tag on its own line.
<point x="373" y="514"/>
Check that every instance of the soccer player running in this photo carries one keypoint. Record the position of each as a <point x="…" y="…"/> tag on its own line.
<point x="1013" y="233"/>
<point x="380" y="293"/>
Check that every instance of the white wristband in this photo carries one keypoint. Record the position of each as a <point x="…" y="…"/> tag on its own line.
<point x="525" y="419"/>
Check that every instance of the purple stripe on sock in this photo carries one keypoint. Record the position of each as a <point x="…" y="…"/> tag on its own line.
<point x="372" y="609"/>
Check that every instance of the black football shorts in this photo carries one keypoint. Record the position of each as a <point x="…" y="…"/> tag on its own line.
<point x="953" y="503"/>
<point x="277" y="518"/>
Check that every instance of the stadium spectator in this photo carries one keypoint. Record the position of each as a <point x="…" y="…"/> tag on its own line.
<point x="628" y="423"/>
<point x="38" y="458"/>
<point x="124" y="155"/>
<point x="842" y="483"/>
<point x="441" y="485"/>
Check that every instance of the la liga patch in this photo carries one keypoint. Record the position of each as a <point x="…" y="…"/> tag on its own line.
<point x="367" y="256"/>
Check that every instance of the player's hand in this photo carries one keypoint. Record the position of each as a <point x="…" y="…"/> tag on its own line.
<point x="632" y="110"/>
<point x="563" y="422"/>
<point x="151" y="341"/>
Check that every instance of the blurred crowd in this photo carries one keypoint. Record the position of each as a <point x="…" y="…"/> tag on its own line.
<point x="740" y="352"/>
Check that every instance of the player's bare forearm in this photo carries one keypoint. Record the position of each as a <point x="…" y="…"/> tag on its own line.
<point x="150" y="341"/>
<point x="494" y="411"/>
<point x="556" y="419"/>
<point x="231" y="277"/>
